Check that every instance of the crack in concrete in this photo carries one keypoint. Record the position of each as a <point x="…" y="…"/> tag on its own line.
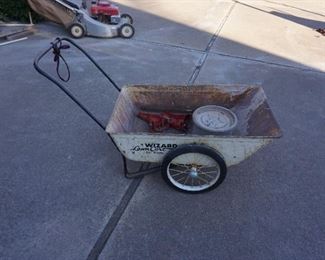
<point x="306" y="69"/>
<point x="114" y="219"/>
<point x="169" y="45"/>
<point x="198" y="68"/>
<point x="174" y="46"/>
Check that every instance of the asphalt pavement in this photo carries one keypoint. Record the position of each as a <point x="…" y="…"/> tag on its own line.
<point x="63" y="194"/>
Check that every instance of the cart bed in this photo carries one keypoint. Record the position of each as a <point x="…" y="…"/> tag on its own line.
<point x="256" y="124"/>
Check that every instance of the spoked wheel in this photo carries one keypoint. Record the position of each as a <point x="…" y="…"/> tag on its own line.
<point x="77" y="30"/>
<point x="128" y="18"/>
<point x="126" y="31"/>
<point x="194" y="168"/>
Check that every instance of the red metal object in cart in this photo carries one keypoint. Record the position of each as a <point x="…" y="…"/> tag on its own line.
<point x="161" y="121"/>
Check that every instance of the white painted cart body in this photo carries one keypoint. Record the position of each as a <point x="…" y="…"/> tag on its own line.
<point x="153" y="148"/>
<point x="256" y="123"/>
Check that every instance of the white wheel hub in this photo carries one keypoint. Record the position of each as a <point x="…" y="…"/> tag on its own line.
<point x="193" y="172"/>
<point x="76" y="31"/>
<point x="127" y="31"/>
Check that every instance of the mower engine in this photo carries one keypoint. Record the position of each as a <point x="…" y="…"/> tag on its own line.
<point x="106" y="12"/>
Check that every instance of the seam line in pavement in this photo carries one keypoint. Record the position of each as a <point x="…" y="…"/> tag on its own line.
<point x="198" y="67"/>
<point x="114" y="219"/>
<point x="265" y="62"/>
<point x="169" y="45"/>
<point x="174" y="46"/>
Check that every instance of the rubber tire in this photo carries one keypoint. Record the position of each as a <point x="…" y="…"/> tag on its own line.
<point x="121" y="31"/>
<point x="127" y="16"/>
<point x="194" y="148"/>
<point x="79" y="26"/>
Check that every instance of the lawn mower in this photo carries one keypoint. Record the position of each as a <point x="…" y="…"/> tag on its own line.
<point x="102" y="20"/>
<point x="106" y="12"/>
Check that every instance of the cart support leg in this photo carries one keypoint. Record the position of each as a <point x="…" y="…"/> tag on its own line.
<point x="144" y="169"/>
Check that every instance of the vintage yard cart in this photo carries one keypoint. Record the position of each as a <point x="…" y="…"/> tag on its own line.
<point x="195" y="161"/>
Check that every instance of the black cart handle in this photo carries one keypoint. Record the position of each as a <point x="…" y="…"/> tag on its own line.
<point x="56" y="47"/>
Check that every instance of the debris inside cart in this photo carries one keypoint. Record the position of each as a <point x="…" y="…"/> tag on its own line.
<point x="161" y="121"/>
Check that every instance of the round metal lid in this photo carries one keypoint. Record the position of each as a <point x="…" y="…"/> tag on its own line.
<point x="215" y="118"/>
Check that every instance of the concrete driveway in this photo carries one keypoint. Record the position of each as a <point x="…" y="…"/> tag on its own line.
<point x="62" y="191"/>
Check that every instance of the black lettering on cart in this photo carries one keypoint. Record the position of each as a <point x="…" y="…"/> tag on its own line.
<point x="155" y="148"/>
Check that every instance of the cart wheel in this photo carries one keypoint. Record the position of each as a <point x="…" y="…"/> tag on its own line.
<point x="126" y="31"/>
<point x="193" y="168"/>
<point x="77" y="30"/>
<point x="128" y="18"/>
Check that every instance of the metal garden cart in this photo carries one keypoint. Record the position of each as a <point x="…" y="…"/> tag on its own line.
<point x="195" y="161"/>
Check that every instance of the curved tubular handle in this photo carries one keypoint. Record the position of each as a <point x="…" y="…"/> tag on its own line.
<point x="128" y="174"/>
<point x="62" y="87"/>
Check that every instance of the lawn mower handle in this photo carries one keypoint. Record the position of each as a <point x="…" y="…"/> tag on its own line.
<point x="55" y="48"/>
